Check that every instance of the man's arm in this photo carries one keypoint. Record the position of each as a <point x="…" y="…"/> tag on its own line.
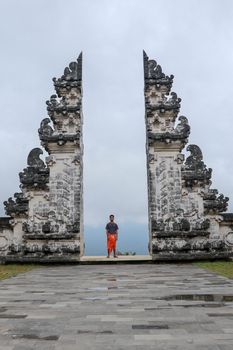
<point x="117" y="232"/>
<point x="106" y="228"/>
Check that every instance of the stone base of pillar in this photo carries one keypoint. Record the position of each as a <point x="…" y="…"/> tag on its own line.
<point x="56" y="259"/>
<point x="191" y="256"/>
<point x="198" y="248"/>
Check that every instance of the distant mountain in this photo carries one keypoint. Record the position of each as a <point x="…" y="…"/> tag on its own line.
<point x="132" y="237"/>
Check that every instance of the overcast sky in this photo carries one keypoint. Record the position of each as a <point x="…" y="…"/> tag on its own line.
<point x="191" y="39"/>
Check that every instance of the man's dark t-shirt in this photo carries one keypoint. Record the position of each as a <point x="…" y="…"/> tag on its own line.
<point x="111" y="227"/>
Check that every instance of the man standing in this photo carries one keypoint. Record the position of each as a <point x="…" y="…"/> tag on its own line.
<point x="112" y="236"/>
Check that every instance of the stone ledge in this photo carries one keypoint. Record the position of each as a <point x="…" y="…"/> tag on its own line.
<point x="180" y="234"/>
<point x="44" y="236"/>
<point x="40" y="259"/>
<point x="122" y="259"/>
<point x="201" y="255"/>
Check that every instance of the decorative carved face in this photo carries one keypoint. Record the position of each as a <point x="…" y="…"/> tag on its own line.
<point x="153" y="95"/>
<point x="73" y="97"/>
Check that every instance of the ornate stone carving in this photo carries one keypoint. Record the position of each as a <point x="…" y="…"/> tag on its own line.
<point x="195" y="160"/>
<point x="153" y="73"/>
<point x="45" y="129"/>
<point x="166" y="137"/>
<point x="215" y="203"/>
<point x="185" y="215"/>
<point x="72" y="77"/>
<point x="41" y="250"/>
<point x="64" y="109"/>
<point x="179" y="195"/>
<point x="3" y="243"/>
<point x="19" y="206"/>
<point x="229" y="238"/>
<point x="62" y="106"/>
<point x="203" y="245"/>
<point x="34" y="158"/>
<point x="46" y="218"/>
<point x="183" y="127"/>
<point x="60" y="139"/>
<point x="36" y="175"/>
<point x="73" y="72"/>
<point x="74" y="228"/>
<point x="201" y="224"/>
<point x="194" y="170"/>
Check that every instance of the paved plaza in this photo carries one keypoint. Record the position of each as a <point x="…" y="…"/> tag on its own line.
<point x="117" y="306"/>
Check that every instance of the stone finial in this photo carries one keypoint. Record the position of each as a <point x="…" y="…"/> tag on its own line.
<point x="195" y="160"/>
<point x="64" y="109"/>
<point x="74" y="71"/>
<point x="34" y="158"/>
<point x="153" y="73"/>
<point x="45" y="129"/>
<point x="72" y="76"/>
<point x="194" y="170"/>
<point x="214" y="202"/>
<point x="36" y="174"/>
<point x="183" y="127"/>
<point x="19" y="206"/>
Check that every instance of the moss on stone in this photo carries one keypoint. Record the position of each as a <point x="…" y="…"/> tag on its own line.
<point x="221" y="267"/>
<point x="10" y="270"/>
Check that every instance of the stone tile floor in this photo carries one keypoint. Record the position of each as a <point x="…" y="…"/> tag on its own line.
<point x="126" y="306"/>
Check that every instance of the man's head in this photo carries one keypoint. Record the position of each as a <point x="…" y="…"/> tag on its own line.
<point x="111" y="217"/>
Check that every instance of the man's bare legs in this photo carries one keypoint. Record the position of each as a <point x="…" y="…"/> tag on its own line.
<point x="114" y="252"/>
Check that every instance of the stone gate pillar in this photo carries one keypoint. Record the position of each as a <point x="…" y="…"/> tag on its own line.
<point x="64" y="144"/>
<point x="47" y="216"/>
<point x="184" y="213"/>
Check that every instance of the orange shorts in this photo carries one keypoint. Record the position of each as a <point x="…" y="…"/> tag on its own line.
<point x="111" y="241"/>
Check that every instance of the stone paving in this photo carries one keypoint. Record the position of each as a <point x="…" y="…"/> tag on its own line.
<point x="125" y="306"/>
<point x="120" y="258"/>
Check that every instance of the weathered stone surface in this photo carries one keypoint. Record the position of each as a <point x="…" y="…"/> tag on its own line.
<point x="185" y="219"/>
<point x="18" y="206"/>
<point x="47" y="216"/>
<point x="140" y="306"/>
<point x="36" y="175"/>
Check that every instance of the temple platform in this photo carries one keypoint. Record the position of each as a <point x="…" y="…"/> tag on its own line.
<point x="88" y="259"/>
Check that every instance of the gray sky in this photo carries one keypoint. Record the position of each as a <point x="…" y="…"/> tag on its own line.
<point x="191" y="39"/>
